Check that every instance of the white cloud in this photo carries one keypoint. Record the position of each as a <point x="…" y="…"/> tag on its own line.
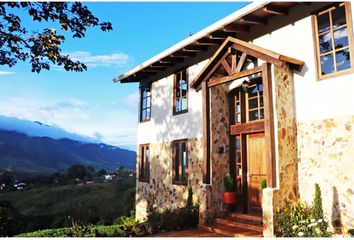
<point x="6" y="73"/>
<point x="132" y="100"/>
<point x="107" y="123"/>
<point x="112" y="60"/>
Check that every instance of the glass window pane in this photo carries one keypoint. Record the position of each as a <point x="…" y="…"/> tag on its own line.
<point x="184" y="160"/>
<point x="238" y="157"/>
<point x="323" y="22"/>
<point x="184" y="75"/>
<point x="178" y="105"/>
<point x="253" y="103"/>
<point x="142" y="171"/>
<point x="148" y="102"/>
<point x="237" y="107"/>
<point x="177" y="161"/>
<point x="327" y="65"/>
<point x="183" y="103"/>
<point x="238" y="118"/>
<point x="261" y="102"/>
<point x="338" y="17"/>
<point x="253" y="115"/>
<point x="143" y="114"/>
<point x="260" y="88"/>
<point x="341" y="38"/>
<point x="148" y="113"/>
<point x="343" y="59"/>
<point x="261" y="113"/>
<point x="252" y="91"/>
<point x="147" y="163"/>
<point x="144" y="103"/>
<point x="325" y="41"/>
<point x="238" y="143"/>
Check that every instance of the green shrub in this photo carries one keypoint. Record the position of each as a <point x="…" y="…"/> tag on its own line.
<point x="10" y="220"/>
<point x="79" y="231"/>
<point x="263" y="184"/>
<point x="299" y="220"/>
<point x="228" y="183"/>
<point x="351" y="232"/>
<point x="317" y="210"/>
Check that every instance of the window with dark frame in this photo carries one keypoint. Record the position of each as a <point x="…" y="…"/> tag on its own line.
<point x="180" y="92"/>
<point x="145" y="103"/>
<point x="144" y="163"/>
<point x="180" y="162"/>
<point x="333" y="31"/>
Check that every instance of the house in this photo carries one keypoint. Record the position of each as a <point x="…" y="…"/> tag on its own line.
<point x="265" y="93"/>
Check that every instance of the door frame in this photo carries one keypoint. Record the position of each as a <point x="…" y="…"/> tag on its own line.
<point x="266" y="126"/>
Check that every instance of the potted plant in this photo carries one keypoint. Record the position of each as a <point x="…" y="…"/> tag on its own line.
<point x="229" y="194"/>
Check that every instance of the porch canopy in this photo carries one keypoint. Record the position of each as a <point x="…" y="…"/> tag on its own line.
<point x="232" y="59"/>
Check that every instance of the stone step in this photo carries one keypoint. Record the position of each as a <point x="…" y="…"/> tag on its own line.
<point x="241" y="223"/>
<point x="230" y="231"/>
<point x="256" y="218"/>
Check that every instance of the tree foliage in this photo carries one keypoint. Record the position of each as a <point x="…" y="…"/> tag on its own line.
<point x="43" y="47"/>
<point x="317" y="210"/>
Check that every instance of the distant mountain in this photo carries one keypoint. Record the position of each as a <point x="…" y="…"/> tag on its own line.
<point x="33" y="148"/>
<point x="38" y="129"/>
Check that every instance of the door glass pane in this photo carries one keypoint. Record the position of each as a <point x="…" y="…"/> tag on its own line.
<point x="238" y="143"/>
<point x="147" y="163"/>
<point x="338" y="17"/>
<point x="327" y="65"/>
<point x="238" y="157"/>
<point x="253" y="115"/>
<point x="253" y="103"/>
<point x="178" y="105"/>
<point x="261" y="101"/>
<point x="252" y="91"/>
<point x="323" y="22"/>
<point x="238" y="118"/>
<point x="261" y="113"/>
<point x="341" y="38"/>
<point x="184" y="103"/>
<point x="184" y="161"/>
<point x="177" y="161"/>
<point x="325" y="42"/>
<point x="343" y="59"/>
<point x="237" y="107"/>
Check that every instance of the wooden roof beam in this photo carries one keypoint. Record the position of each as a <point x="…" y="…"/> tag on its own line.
<point x="219" y="35"/>
<point x="254" y="20"/>
<point x="162" y="64"/>
<point x="157" y="67"/>
<point x="208" y="42"/>
<point x="276" y="10"/>
<point x="195" y="48"/>
<point x="183" y="54"/>
<point x="236" y="28"/>
<point x="172" y="59"/>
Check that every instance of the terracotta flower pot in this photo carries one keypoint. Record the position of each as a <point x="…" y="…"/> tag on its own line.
<point x="229" y="197"/>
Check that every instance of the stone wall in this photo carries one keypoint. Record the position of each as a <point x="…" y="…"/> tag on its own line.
<point x="326" y="157"/>
<point x="285" y="148"/>
<point x="220" y="147"/>
<point x="160" y="187"/>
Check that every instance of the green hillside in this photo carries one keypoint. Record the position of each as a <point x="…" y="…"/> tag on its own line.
<point x="53" y="207"/>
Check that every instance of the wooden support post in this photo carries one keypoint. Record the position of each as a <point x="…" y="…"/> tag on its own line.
<point x="206" y="133"/>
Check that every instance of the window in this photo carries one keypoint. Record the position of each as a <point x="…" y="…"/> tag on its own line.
<point x="144" y="163"/>
<point x="180" y="162"/>
<point x="333" y="31"/>
<point x="145" y="103"/>
<point x="248" y="105"/>
<point x="180" y="92"/>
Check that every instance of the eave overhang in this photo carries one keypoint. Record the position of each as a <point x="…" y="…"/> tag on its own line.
<point x="234" y="25"/>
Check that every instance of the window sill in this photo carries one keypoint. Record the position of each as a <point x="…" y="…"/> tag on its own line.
<point x="144" y="121"/>
<point x="336" y="74"/>
<point x="180" y="112"/>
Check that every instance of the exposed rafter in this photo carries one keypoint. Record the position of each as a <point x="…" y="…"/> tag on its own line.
<point x="236" y="28"/>
<point x="163" y="64"/>
<point x="276" y="10"/>
<point x="173" y="59"/>
<point x="254" y="20"/>
<point x="195" y="48"/>
<point x="220" y="35"/>
<point x="183" y="54"/>
<point x="207" y="41"/>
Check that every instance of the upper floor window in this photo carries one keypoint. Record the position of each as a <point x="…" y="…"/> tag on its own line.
<point x="144" y="163"/>
<point x="180" y="162"/>
<point x="180" y="92"/>
<point x="145" y="103"/>
<point x="333" y="31"/>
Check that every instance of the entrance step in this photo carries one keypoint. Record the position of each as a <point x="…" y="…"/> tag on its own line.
<point x="248" y="217"/>
<point x="230" y="231"/>
<point x="241" y="223"/>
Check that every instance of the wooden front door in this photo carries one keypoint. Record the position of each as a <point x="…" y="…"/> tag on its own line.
<point x="248" y="159"/>
<point x="257" y="170"/>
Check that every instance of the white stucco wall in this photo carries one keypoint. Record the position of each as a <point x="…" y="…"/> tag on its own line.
<point x="315" y="99"/>
<point x="164" y="126"/>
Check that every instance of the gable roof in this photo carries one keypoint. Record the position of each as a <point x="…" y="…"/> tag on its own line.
<point x="249" y="49"/>
<point x="236" y="24"/>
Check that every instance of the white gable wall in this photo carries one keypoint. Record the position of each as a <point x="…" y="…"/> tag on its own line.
<point x="164" y="126"/>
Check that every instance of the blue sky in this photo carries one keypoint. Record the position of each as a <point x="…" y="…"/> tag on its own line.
<point x="89" y="103"/>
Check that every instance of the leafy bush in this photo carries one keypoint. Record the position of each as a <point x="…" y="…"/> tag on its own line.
<point x="351" y="232"/>
<point x="317" y="210"/>
<point x="78" y="231"/>
<point x="299" y="220"/>
<point x="10" y="220"/>
<point x="263" y="184"/>
<point x="228" y="183"/>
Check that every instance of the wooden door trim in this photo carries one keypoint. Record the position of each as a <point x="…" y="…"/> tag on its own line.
<point x="269" y="123"/>
<point x="251" y="127"/>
